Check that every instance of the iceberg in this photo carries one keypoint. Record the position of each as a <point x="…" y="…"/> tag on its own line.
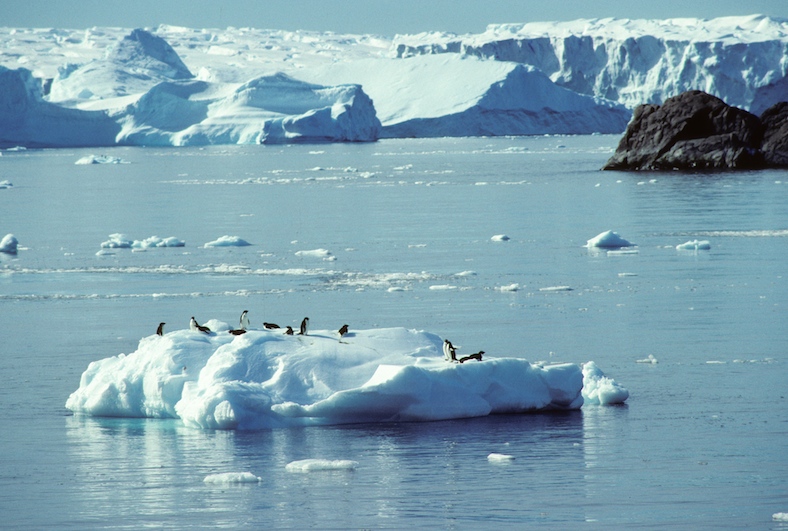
<point x="432" y="96"/>
<point x="9" y="244"/>
<point x="267" y="379"/>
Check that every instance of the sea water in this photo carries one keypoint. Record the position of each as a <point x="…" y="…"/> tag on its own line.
<point x="406" y="229"/>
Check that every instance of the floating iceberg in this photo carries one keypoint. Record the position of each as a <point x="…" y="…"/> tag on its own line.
<point x="9" y="244"/>
<point x="266" y="379"/>
<point x="228" y="241"/>
<point x="694" y="245"/>
<point x="608" y="240"/>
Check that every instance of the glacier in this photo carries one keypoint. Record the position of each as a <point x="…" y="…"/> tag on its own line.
<point x="180" y="86"/>
<point x="738" y="59"/>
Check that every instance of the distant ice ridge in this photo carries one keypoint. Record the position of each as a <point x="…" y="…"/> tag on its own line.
<point x="265" y="379"/>
<point x="739" y="59"/>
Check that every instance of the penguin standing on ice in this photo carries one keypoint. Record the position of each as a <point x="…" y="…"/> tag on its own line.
<point x="304" y="326"/>
<point x="289" y="331"/>
<point x="343" y="330"/>
<point x="242" y="327"/>
<point x="160" y="329"/>
<point x="449" y="352"/>
<point x="195" y="327"/>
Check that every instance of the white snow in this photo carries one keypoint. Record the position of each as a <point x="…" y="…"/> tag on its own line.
<point x="227" y="241"/>
<point x="317" y="465"/>
<point x="9" y="244"/>
<point x="608" y="240"/>
<point x="694" y="245"/>
<point x="324" y="254"/>
<point x="230" y="478"/>
<point x="265" y="379"/>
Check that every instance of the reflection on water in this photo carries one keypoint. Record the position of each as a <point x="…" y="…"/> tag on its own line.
<point x="148" y="472"/>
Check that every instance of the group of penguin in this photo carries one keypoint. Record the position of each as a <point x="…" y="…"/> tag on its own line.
<point x="450" y="353"/>
<point x="244" y="324"/>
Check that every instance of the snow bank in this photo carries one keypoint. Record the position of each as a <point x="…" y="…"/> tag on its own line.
<point x="608" y="240"/>
<point x="9" y="244"/>
<point x="266" y="379"/>
<point x="738" y="59"/>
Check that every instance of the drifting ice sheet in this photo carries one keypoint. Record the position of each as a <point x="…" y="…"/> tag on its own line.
<point x="265" y="379"/>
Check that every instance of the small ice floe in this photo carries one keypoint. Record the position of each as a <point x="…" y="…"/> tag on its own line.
<point x="511" y="287"/>
<point x="101" y="159"/>
<point x="500" y="458"/>
<point x="5" y="184"/>
<point x="323" y="254"/>
<point x="9" y="244"/>
<point x="465" y="274"/>
<point x="608" y="240"/>
<point x="393" y="289"/>
<point x="500" y="238"/>
<point x="694" y="245"/>
<point x="598" y="389"/>
<point x="155" y="241"/>
<point x="650" y="359"/>
<point x="104" y="252"/>
<point x="228" y="241"/>
<point x="555" y="288"/>
<point x="442" y="287"/>
<point x="780" y="517"/>
<point x="315" y="465"/>
<point x="117" y="241"/>
<point x="231" y="478"/>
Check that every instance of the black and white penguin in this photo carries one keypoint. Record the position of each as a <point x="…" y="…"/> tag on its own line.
<point x="343" y="330"/>
<point x="195" y="327"/>
<point x="160" y="329"/>
<point x="449" y="352"/>
<point x="270" y="326"/>
<point x="289" y="331"/>
<point x="477" y="356"/>
<point x="242" y="326"/>
<point x="304" y="326"/>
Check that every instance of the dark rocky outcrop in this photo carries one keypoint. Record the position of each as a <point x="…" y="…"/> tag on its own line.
<point x="695" y="130"/>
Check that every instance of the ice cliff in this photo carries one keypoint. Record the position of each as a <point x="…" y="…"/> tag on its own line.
<point x="738" y="59"/>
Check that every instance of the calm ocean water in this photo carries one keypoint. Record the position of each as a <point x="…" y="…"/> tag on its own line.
<point x="700" y="444"/>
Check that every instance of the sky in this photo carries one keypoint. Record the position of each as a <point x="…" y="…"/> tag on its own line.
<point x="381" y="17"/>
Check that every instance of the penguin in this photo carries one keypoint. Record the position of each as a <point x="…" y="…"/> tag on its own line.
<point x="449" y="352"/>
<point x="160" y="329"/>
<point x="242" y="327"/>
<point x="289" y="331"/>
<point x="244" y="320"/>
<point x="304" y="326"/>
<point x="270" y="326"/>
<point x="343" y="330"/>
<point x="198" y="328"/>
<point x="477" y="356"/>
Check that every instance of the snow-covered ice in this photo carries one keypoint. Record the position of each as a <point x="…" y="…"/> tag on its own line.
<point x="121" y="241"/>
<point x="266" y="379"/>
<point x="6" y="184"/>
<point x="100" y="159"/>
<point x="500" y="458"/>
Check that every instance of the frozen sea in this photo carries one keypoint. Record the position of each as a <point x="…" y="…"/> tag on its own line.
<point x="401" y="233"/>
